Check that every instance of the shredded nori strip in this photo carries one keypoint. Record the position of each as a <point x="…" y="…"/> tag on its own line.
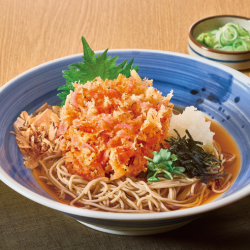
<point x="193" y="157"/>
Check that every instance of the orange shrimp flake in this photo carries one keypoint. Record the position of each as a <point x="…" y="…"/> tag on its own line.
<point x="107" y="127"/>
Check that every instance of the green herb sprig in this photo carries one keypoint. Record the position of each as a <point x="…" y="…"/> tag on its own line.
<point x="91" y="67"/>
<point x="192" y="157"/>
<point x="163" y="162"/>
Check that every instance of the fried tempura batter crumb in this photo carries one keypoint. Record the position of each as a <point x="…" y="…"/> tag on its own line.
<point x="107" y="127"/>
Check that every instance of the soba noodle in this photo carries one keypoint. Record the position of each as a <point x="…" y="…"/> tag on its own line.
<point x="131" y="195"/>
<point x="109" y="125"/>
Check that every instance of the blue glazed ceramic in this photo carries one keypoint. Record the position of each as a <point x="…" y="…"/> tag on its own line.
<point x="220" y="92"/>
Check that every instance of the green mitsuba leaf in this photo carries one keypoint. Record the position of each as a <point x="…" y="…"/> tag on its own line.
<point x="168" y="175"/>
<point x="163" y="155"/>
<point x="157" y="157"/>
<point x="180" y="169"/>
<point x="151" y="166"/>
<point x="163" y="163"/>
<point x="91" y="67"/>
<point x="174" y="157"/>
<point x="152" y="177"/>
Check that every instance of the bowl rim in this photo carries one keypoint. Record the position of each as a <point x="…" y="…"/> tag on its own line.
<point x="70" y="210"/>
<point x="191" y="29"/>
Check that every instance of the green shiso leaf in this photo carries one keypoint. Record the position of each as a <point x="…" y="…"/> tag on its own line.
<point x="67" y="87"/>
<point x="128" y="67"/>
<point x="63" y="96"/>
<point x="91" y="67"/>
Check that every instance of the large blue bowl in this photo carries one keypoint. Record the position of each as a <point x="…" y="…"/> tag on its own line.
<point x="220" y="92"/>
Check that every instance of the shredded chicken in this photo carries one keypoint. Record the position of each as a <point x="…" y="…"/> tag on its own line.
<point x="36" y="136"/>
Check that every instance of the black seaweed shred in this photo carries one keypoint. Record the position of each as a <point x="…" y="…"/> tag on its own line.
<point x="192" y="157"/>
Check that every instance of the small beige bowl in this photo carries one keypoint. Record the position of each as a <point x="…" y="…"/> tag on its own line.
<point x="236" y="60"/>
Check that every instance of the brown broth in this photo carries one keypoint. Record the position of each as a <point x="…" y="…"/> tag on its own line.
<point x="228" y="145"/>
<point x="221" y="136"/>
<point x="51" y="190"/>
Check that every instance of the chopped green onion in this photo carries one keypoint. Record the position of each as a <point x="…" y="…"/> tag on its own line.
<point x="240" y="45"/>
<point x="231" y="37"/>
<point x="228" y="36"/>
<point x="227" y="48"/>
<point x="217" y="46"/>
